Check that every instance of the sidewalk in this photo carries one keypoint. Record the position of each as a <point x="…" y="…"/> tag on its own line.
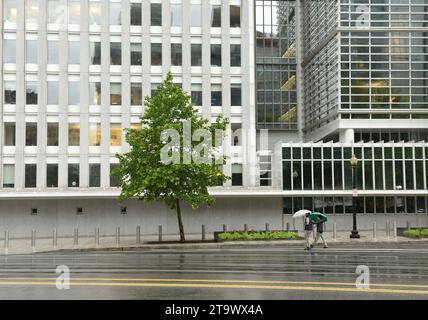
<point x="129" y="242"/>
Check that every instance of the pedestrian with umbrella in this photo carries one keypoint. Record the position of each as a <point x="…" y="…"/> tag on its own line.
<point x="307" y="224"/>
<point x="319" y="219"/>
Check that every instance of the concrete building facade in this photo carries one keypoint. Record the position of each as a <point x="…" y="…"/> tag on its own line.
<point x="299" y="81"/>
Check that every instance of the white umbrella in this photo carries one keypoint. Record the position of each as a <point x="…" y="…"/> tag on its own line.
<point x="301" y="213"/>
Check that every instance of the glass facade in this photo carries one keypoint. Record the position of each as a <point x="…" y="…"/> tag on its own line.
<point x="276" y="64"/>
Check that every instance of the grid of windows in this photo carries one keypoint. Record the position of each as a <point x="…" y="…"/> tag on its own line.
<point x="276" y="64"/>
<point x="389" y="166"/>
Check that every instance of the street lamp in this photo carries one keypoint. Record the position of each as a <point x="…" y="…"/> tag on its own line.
<point x="354" y="164"/>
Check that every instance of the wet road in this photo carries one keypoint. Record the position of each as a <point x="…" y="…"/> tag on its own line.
<point x="269" y="272"/>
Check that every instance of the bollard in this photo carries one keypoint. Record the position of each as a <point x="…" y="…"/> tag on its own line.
<point x="55" y="238"/>
<point x="6" y="242"/>
<point x="33" y="239"/>
<point x="245" y="227"/>
<point x="117" y="236"/>
<point x="334" y="231"/>
<point x="224" y="228"/>
<point x="395" y="230"/>
<point x="267" y="227"/>
<point x="408" y="225"/>
<point x="203" y="232"/>
<point x="160" y="233"/>
<point x="288" y="226"/>
<point x="374" y="230"/>
<point x="76" y="237"/>
<point x="387" y="228"/>
<point x="97" y="236"/>
<point x="138" y="235"/>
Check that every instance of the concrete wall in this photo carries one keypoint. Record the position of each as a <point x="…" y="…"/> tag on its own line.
<point x="105" y="214"/>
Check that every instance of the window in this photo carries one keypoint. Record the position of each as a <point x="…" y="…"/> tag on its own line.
<point x="216" y="55"/>
<point x="31" y="53"/>
<point x="136" y="14"/>
<point x="235" y="55"/>
<point x="236" y="174"/>
<point x="216" y="95"/>
<point x="115" y="94"/>
<point x="31" y="11"/>
<point x="31" y="92"/>
<point x="94" y="175"/>
<point x="53" y="133"/>
<point x="74" y="134"/>
<point x="95" y="53"/>
<point x="216" y="16"/>
<point x="115" y="13"/>
<point x="52" y="175"/>
<point x="74" y="52"/>
<point x="74" y="12"/>
<point x="196" y="55"/>
<point x="73" y="93"/>
<point x="95" y="134"/>
<point x="176" y="54"/>
<point x="95" y="13"/>
<point x="95" y="93"/>
<point x="53" y="92"/>
<point x="11" y="10"/>
<point x="115" y="53"/>
<point x="9" y="51"/>
<point x="10" y="92"/>
<point x="113" y="181"/>
<point x="235" y="16"/>
<point x="73" y="175"/>
<point x="136" y="54"/>
<point x="156" y="14"/>
<point x="115" y="134"/>
<point x="9" y="134"/>
<point x="136" y="94"/>
<point x="9" y="176"/>
<point x="195" y="15"/>
<point x="31" y="134"/>
<point x="53" y="52"/>
<point x="54" y="11"/>
<point x="235" y="95"/>
<point x="156" y="54"/>
<point x="30" y="175"/>
<point x="196" y="94"/>
<point x="175" y="15"/>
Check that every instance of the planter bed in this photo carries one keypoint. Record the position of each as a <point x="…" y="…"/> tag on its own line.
<point x="256" y="236"/>
<point x="416" y="233"/>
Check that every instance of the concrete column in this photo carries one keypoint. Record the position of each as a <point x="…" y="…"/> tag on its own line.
<point x="346" y="135"/>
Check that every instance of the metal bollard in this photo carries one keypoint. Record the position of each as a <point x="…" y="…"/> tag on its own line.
<point x="224" y="228"/>
<point x="288" y="226"/>
<point x="33" y="239"/>
<point x="374" y="230"/>
<point x="55" y="238"/>
<point x="334" y="231"/>
<point x="97" y="236"/>
<point x="203" y="232"/>
<point x="6" y="242"/>
<point x="245" y="227"/>
<point x="117" y="236"/>
<point x="160" y="233"/>
<point x="267" y="227"/>
<point x="395" y="230"/>
<point x="76" y="237"/>
<point x="138" y="235"/>
<point x="408" y="225"/>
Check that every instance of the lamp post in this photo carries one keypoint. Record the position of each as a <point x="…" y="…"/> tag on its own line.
<point x="354" y="164"/>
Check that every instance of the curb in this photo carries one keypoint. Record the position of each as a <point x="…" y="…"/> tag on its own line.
<point x="229" y="244"/>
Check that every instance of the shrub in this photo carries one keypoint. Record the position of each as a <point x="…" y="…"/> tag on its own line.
<point x="233" y="236"/>
<point x="416" y="233"/>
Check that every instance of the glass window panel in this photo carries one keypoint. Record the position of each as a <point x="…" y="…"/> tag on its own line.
<point x="235" y="55"/>
<point x="31" y="92"/>
<point x="9" y="51"/>
<point x="53" y="52"/>
<point x="95" y="134"/>
<point x="95" y="53"/>
<point x="11" y="10"/>
<point x="95" y="93"/>
<point x="235" y="16"/>
<point x="136" y="14"/>
<point x="31" y="134"/>
<point x="176" y="54"/>
<point x="51" y="175"/>
<point x="115" y="134"/>
<point x="156" y="14"/>
<point x="115" y="94"/>
<point x="74" y="12"/>
<point x="115" y="13"/>
<point x="74" y="93"/>
<point x="95" y="13"/>
<point x="31" y="11"/>
<point x="195" y="15"/>
<point x="9" y="134"/>
<point x="136" y="54"/>
<point x="216" y="95"/>
<point x="94" y="175"/>
<point x="216" y="55"/>
<point x="74" y="52"/>
<point x="113" y="181"/>
<point x="10" y="92"/>
<point x="115" y="53"/>
<point x="215" y="16"/>
<point x="31" y="52"/>
<point x="8" y="176"/>
<point x="73" y="175"/>
<point x="286" y="175"/>
<point x="196" y="55"/>
<point x="30" y="176"/>
<point x="136" y="94"/>
<point x="156" y="54"/>
<point x="73" y="134"/>
<point x="236" y="96"/>
<point x="176" y="15"/>
<point x="52" y="134"/>
<point x="196" y="94"/>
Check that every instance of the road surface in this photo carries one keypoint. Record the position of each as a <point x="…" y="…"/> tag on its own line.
<point x="265" y="272"/>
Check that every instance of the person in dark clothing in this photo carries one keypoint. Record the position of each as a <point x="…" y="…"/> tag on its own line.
<point x="320" y="231"/>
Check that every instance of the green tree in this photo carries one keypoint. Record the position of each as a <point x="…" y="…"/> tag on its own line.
<point x="141" y="174"/>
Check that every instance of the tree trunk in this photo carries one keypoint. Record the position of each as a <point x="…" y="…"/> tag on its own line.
<point x="180" y="221"/>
